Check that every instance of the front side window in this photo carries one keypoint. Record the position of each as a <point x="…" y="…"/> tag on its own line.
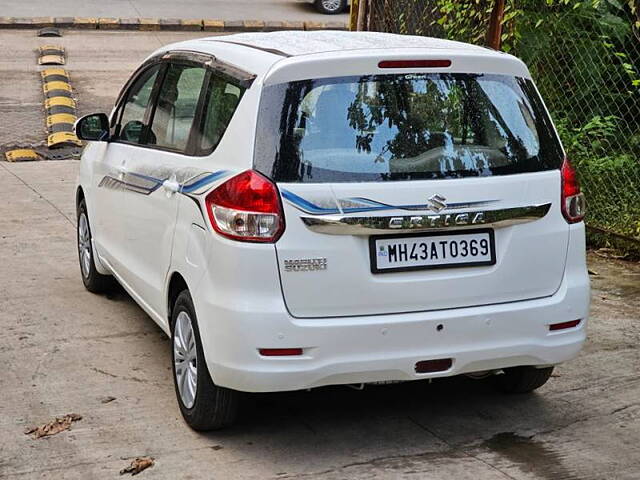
<point x="176" y="107"/>
<point x="133" y="111"/>
<point x="403" y="127"/>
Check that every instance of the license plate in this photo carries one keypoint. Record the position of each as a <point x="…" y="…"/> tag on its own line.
<point x="393" y="253"/>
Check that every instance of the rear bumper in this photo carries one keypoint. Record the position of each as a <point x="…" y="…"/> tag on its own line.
<point x="378" y="349"/>
<point x="387" y="347"/>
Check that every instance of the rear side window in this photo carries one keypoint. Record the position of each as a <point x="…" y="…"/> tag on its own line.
<point x="221" y="101"/>
<point x="176" y="107"/>
<point x="403" y="127"/>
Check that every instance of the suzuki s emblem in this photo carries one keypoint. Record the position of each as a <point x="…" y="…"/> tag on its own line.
<point x="437" y="203"/>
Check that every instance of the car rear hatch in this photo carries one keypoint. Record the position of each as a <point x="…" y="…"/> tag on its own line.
<point x="417" y="191"/>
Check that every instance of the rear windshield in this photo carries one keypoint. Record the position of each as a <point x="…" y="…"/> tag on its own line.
<point x="403" y="127"/>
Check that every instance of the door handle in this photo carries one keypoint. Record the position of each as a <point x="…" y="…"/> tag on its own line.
<point x="171" y="186"/>
<point x="122" y="170"/>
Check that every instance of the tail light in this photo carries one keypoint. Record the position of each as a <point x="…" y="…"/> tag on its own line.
<point x="246" y="208"/>
<point x="573" y="202"/>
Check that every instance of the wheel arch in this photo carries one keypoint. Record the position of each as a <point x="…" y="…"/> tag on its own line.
<point x="79" y="196"/>
<point x="177" y="284"/>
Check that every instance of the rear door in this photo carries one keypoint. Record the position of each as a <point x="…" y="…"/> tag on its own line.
<point x="413" y="192"/>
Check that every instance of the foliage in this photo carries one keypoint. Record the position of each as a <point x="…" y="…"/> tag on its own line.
<point x="616" y="209"/>
<point x="467" y="20"/>
<point x="610" y="180"/>
<point x="581" y="34"/>
<point x="590" y="140"/>
<point x="585" y="59"/>
<point x="464" y="20"/>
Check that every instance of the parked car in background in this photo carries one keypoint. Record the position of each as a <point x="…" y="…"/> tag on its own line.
<point x="299" y="209"/>
<point x="331" y="7"/>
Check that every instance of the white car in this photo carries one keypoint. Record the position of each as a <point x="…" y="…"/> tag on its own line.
<point x="299" y="209"/>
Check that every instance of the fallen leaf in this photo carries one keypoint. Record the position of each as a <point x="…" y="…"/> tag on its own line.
<point x="609" y="253"/>
<point x="60" y="424"/>
<point x="137" y="465"/>
<point x="107" y="399"/>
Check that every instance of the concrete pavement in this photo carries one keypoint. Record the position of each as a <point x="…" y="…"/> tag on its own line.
<point x="267" y="10"/>
<point x="64" y="350"/>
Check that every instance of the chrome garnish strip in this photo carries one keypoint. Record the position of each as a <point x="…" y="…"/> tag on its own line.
<point x="141" y="187"/>
<point x="362" y="205"/>
<point x="355" y="225"/>
<point x="188" y="182"/>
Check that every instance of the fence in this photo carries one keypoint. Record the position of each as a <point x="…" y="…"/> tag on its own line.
<point x="585" y="60"/>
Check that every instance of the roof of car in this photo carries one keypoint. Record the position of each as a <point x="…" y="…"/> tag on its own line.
<point x="265" y="53"/>
<point x="294" y="43"/>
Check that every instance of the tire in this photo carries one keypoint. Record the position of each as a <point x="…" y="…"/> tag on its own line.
<point x="522" y="379"/>
<point x="93" y="281"/>
<point x="331" y="7"/>
<point x="204" y="405"/>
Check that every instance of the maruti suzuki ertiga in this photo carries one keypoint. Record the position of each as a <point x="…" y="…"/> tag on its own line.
<point x="299" y="209"/>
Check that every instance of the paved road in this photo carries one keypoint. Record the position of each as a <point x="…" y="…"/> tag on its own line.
<point x="293" y="10"/>
<point x="64" y="350"/>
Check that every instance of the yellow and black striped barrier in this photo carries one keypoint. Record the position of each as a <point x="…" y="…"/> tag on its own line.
<point x="61" y="139"/>
<point x="60" y="107"/>
<point x="56" y="105"/>
<point x="54" y="75"/>
<point x="51" y="55"/>
<point x="56" y="89"/>
<point x="60" y="122"/>
<point x="21" y="155"/>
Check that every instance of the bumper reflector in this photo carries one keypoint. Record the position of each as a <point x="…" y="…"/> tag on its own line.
<point x="431" y="366"/>
<point x="280" y="352"/>
<point x="564" y="325"/>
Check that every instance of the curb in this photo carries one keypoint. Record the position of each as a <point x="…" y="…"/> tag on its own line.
<point x="164" y="24"/>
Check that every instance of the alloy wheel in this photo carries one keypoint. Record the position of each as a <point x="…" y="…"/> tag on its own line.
<point x="84" y="245"/>
<point x="185" y="359"/>
<point x="332" y="5"/>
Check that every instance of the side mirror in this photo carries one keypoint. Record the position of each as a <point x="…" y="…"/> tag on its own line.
<point x="94" y="127"/>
